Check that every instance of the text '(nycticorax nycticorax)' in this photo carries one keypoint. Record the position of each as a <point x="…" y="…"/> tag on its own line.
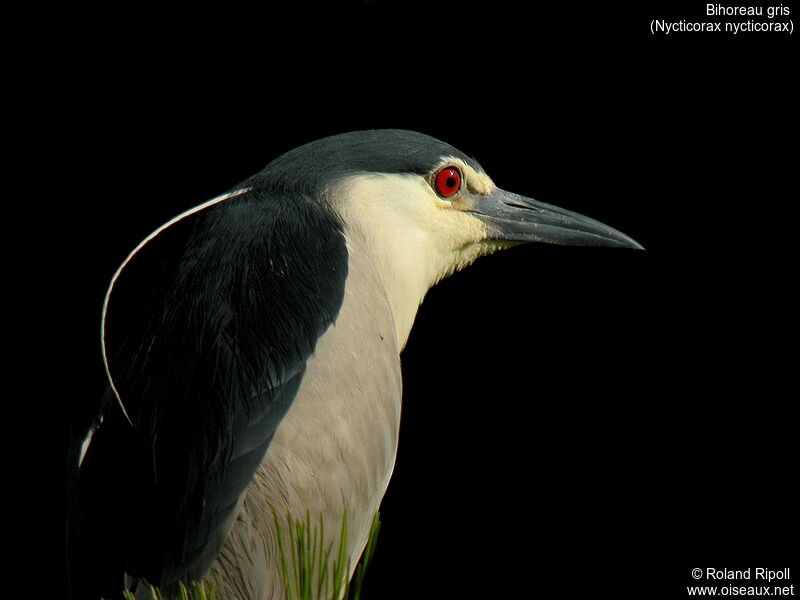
<point x="252" y="345"/>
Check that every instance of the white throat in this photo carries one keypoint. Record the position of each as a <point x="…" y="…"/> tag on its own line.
<point x="413" y="242"/>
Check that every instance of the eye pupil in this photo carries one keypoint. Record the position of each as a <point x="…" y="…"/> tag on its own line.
<point x="447" y="182"/>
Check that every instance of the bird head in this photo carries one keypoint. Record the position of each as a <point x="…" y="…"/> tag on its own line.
<point x="423" y="208"/>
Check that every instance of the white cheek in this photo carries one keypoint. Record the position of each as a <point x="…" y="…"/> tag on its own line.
<point x="444" y="203"/>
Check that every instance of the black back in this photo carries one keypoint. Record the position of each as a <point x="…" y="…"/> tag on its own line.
<point x="208" y="331"/>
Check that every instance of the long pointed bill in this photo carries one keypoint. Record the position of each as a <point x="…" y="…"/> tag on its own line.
<point x="514" y="218"/>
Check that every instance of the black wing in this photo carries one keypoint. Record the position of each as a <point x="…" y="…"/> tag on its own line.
<point x="208" y="330"/>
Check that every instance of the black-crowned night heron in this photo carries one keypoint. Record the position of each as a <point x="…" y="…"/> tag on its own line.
<point x="253" y="345"/>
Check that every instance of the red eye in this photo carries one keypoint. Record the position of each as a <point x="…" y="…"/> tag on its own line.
<point x="447" y="182"/>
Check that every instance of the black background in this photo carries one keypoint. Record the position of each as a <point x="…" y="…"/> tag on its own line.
<point x="576" y="422"/>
